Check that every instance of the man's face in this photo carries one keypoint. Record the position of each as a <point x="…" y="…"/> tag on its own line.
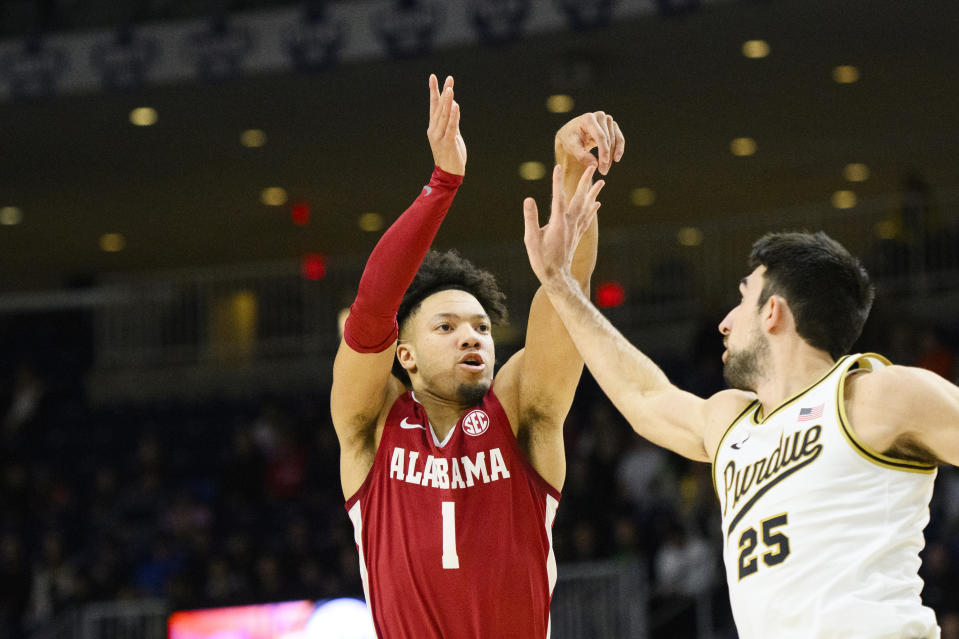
<point x="447" y="347"/>
<point x="747" y="347"/>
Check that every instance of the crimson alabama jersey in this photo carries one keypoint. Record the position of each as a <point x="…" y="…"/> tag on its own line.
<point x="455" y="537"/>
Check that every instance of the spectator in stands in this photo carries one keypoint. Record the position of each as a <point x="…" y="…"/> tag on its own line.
<point x="26" y="400"/>
<point x="14" y="585"/>
<point x="53" y="582"/>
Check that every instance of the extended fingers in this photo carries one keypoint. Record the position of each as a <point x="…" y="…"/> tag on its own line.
<point x="530" y="221"/>
<point x="453" y="123"/>
<point x="443" y="112"/>
<point x="594" y="190"/>
<point x="597" y="128"/>
<point x="583" y="224"/>
<point x="440" y="114"/>
<point x="619" y="141"/>
<point x="582" y="187"/>
<point x="434" y="96"/>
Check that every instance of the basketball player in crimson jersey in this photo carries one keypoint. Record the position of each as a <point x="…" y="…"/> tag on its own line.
<point x="452" y="481"/>
<point x="823" y="462"/>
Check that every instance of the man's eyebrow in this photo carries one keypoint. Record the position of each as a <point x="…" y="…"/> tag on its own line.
<point x="479" y="316"/>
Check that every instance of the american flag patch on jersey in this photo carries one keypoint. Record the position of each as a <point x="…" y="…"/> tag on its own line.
<point x="814" y="412"/>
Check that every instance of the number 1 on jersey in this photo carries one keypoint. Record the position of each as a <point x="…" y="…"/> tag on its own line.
<point x="450" y="559"/>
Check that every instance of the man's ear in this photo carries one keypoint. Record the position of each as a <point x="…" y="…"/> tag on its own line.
<point x="776" y="315"/>
<point x="406" y="356"/>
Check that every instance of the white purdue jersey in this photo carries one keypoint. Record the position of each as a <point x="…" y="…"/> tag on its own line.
<point x="821" y="533"/>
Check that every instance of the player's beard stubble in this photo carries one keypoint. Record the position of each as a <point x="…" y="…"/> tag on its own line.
<point x="746" y="367"/>
<point x="472" y="394"/>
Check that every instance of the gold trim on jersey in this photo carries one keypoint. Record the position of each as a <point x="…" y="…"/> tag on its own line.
<point x="754" y="416"/>
<point x="723" y="438"/>
<point x="864" y="450"/>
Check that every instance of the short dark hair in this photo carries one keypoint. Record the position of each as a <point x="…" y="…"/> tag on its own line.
<point x="827" y="289"/>
<point x="444" y="271"/>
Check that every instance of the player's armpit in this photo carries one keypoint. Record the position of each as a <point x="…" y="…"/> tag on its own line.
<point x="363" y="390"/>
<point x="536" y="388"/>
<point x="903" y="405"/>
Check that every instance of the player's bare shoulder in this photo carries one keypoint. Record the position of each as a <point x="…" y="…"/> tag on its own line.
<point x="720" y="412"/>
<point x="884" y="405"/>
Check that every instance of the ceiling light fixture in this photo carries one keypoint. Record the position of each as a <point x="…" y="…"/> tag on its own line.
<point x="144" y="116"/>
<point x="743" y="147"/>
<point x="856" y="172"/>
<point x="845" y="74"/>
<point x="532" y="171"/>
<point x="11" y="215"/>
<point x="560" y="103"/>
<point x="689" y="236"/>
<point x="643" y="196"/>
<point x="253" y="138"/>
<point x="844" y="199"/>
<point x="755" y="49"/>
<point x="273" y="196"/>
<point x="112" y="242"/>
<point x="370" y="222"/>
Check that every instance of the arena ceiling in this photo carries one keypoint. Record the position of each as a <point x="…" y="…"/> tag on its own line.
<point x="349" y="141"/>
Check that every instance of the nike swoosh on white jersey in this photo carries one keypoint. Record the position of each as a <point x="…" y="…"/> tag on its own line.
<point x="407" y="425"/>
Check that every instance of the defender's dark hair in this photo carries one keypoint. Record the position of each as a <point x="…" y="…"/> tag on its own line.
<point x="827" y="289"/>
<point x="444" y="271"/>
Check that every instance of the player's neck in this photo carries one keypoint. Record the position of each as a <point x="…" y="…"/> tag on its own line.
<point x="792" y="368"/>
<point x="443" y="413"/>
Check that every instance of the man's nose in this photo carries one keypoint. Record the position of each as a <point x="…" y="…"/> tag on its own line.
<point x="726" y="325"/>
<point x="469" y="338"/>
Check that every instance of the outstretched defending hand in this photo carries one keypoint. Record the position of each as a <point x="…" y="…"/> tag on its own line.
<point x="551" y="248"/>
<point x="446" y="142"/>
<point x="591" y="130"/>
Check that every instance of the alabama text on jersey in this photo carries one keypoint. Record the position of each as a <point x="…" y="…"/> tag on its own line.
<point x="455" y="537"/>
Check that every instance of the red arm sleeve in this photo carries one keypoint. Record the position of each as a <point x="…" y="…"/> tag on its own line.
<point x="371" y="326"/>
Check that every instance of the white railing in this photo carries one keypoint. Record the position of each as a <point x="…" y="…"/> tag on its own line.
<point x="132" y="619"/>
<point x="592" y="600"/>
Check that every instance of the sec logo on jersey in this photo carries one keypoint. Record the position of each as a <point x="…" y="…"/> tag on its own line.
<point x="475" y="423"/>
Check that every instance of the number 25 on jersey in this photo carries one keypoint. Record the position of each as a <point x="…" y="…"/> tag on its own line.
<point x="776" y="543"/>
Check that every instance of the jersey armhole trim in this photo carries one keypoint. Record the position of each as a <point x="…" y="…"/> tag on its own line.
<point x="719" y="446"/>
<point x="521" y="454"/>
<point x="363" y="489"/>
<point x="863" y="449"/>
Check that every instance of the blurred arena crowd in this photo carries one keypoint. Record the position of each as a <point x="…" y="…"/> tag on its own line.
<point x="229" y="502"/>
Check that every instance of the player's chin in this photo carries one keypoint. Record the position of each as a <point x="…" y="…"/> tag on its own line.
<point x="473" y="392"/>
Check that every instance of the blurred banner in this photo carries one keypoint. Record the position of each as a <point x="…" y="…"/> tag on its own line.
<point x="310" y="37"/>
<point x="332" y="619"/>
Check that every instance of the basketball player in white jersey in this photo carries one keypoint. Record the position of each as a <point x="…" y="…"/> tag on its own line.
<point x="823" y="462"/>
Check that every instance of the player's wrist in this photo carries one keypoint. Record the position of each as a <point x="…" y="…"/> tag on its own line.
<point x="559" y="283"/>
<point x="445" y="179"/>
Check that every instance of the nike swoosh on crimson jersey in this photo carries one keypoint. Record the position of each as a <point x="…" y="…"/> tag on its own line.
<point x="407" y="425"/>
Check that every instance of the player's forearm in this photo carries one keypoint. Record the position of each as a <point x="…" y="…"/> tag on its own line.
<point x="621" y="370"/>
<point x="584" y="259"/>
<point x="371" y="326"/>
